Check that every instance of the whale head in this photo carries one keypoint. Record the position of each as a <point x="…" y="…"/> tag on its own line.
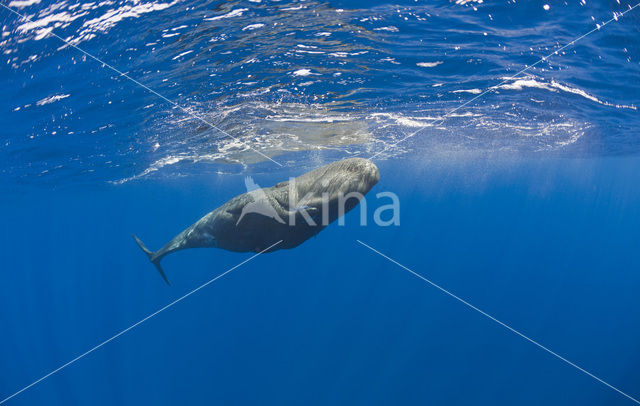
<point x="353" y="175"/>
<point x="339" y="186"/>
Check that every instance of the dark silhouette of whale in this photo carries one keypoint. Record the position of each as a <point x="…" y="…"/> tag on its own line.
<point x="290" y="212"/>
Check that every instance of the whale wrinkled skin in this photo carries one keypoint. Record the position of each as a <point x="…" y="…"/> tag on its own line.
<point x="290" y="212"/>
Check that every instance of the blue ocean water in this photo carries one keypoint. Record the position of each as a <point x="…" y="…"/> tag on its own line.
<point x="523" y="202"/>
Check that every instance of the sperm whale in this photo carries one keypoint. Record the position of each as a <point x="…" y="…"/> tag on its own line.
<point x="291" y="212"/>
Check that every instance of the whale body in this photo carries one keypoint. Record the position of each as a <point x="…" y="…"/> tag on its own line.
<point x="286" y="214"/>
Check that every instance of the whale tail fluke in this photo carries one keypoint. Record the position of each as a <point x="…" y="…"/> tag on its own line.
<point x="153" y="257"/>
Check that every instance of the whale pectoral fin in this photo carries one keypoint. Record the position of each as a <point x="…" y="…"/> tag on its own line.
<point x="153" y="257"/>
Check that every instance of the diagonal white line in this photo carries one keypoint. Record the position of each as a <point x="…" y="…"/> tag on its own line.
<point x="185" y="110"/>
<point x="499" y="322"/>
<point x="492" y="88"/>
<point x="138" y="323"/>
